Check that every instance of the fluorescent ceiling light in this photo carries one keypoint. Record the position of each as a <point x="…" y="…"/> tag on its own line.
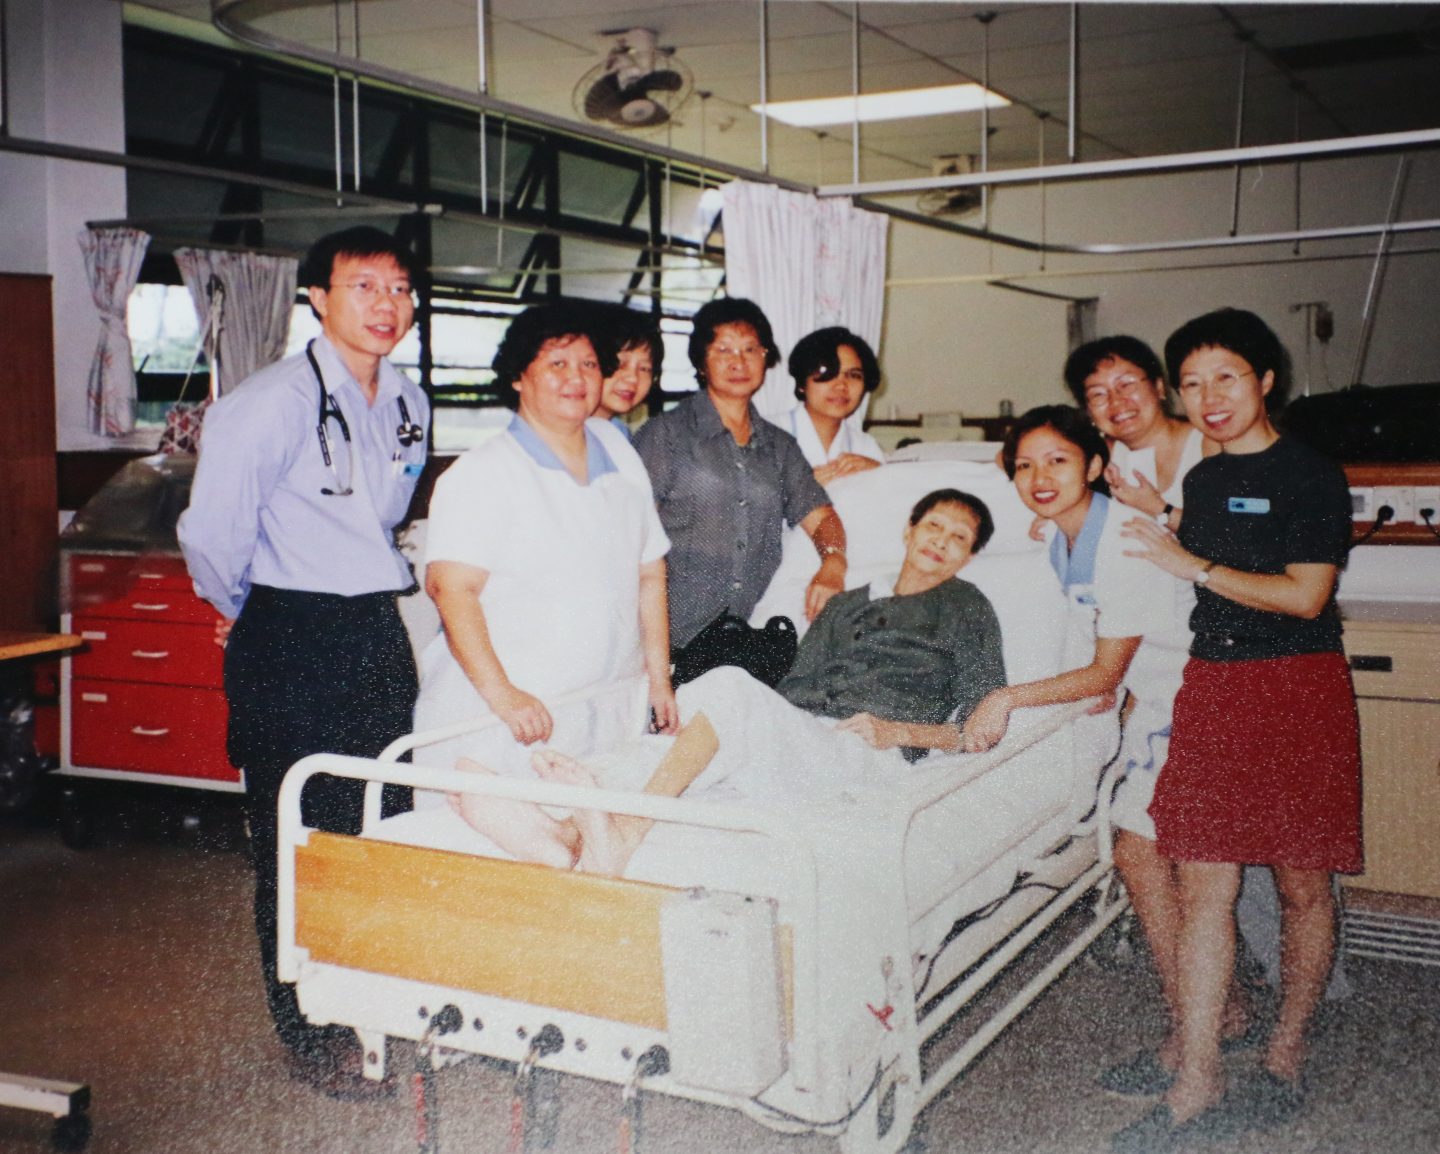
<point x="870" y="106"/>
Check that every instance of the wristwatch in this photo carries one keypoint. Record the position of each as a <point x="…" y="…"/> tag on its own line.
<point x="1163" y="517"/>
<point x="1203" y="577"/>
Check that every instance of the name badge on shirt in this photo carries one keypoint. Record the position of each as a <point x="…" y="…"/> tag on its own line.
<point x="1249" y="504"/>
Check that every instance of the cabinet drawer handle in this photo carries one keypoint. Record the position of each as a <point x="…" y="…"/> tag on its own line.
<point x="1371" y="663"/>
<point x="151" y="576"/>
<point x="150" y="654"/>
<point x="93" y="635"/>
<point x="141" y="731"/>
<point x="160" y="608"/>
<point x="92" y="566"/>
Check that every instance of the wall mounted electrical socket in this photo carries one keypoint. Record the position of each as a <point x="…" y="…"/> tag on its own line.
<point x="1362" y="503"/>
<point x="1427" y="497"/>
<point x="1401" y="499"/>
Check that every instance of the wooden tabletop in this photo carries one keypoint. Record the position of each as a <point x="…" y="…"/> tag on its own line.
<point x="14" y="645"/>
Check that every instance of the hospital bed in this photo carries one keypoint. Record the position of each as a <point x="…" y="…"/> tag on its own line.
<point x="806" y="967"/>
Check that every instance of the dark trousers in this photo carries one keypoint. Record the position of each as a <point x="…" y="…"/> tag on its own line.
<point x="311" y="673"/>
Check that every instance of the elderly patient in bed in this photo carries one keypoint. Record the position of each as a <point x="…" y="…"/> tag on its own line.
<point x="888" y="672"/>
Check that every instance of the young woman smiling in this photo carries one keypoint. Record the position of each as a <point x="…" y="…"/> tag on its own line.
<point x="1264" y="759"/>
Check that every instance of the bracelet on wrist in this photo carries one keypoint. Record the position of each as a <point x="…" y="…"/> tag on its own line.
<point x="1203" y="577"/>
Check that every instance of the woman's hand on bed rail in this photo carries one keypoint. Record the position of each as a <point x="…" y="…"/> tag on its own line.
<point x="986" y="725"/>
<point x="879" y="733"/>
<point x="524" y="713"/>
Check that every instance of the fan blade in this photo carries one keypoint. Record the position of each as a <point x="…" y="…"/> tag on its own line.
<point x="664" y="80"/>
<point x="605" y="99"/>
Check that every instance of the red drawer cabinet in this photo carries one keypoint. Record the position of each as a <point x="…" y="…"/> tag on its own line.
<point x="146" y="695"/>
<point x="165" y="729"/>
<point x="171" y="653"/>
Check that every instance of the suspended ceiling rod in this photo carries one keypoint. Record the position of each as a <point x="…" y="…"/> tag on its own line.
<point x="483" y="69"/>
<point x="1072" y="150"/>
<point x="1239" y="136"/>
<point x="989" y="278"/>
<point x="222" y="18"/>
<point x="855" y="92"/>
<point x="355" y="94"/>
<point x="1214" y="158"/>
<point x="764" y="87"/>
<point x="1377" y="271"/>
<point x="1335" y="233"/>
<point x="335" y="102"/>
<point x="985" y="18"/>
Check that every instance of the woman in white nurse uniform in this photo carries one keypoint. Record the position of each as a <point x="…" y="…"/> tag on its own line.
<point x="546" y="560"/>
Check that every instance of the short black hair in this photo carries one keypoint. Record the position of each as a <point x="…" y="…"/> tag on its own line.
<point x="361" y="241"/>
<point x="729" y="311"/>
<point x="818" y="355"/>
<point x="1238" y="331"/>
<point x="1085" y="360"/>
<point x="538" y="324"/>
<point x="984" y="530"/>
<point x="1070" y="423"/>
<point x="627" y="328"/>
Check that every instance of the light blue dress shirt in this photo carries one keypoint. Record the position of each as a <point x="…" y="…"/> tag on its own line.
<point x="257" y="514"/>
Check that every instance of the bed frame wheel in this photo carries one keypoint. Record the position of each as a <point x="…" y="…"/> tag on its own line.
<point x="71" y="1132"/>
<point x="77" y="826"/>
<point x="1118" y="948"/>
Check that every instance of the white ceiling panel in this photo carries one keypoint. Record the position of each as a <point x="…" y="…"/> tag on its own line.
<point x="1154" y="78"/>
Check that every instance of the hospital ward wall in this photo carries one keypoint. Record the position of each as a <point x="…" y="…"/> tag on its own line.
<point x="64" y="84"/>
<point x="952" y="340"/>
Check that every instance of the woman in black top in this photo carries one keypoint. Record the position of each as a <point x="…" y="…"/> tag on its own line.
<point x="1264" y="754"/>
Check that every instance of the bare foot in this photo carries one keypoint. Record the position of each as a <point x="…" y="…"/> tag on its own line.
<point x="521" y="828"/>
<point x="1285" y="1057"/>
<point x="604" y="848"/>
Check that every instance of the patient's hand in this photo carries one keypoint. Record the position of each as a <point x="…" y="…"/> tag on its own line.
<point x="1037" y="528"/>
<point x="844" y="466"/>
<point x="876" y="731"/>
<point x="524" y="713"/>
<point x="987" y="724"/>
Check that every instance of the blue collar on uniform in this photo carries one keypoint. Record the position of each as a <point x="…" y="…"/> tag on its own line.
<point x="597" y="460"/>
<point x="1077" y="566"/>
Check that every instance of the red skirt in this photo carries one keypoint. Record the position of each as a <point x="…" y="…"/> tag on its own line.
<point x="1264" y="765"/>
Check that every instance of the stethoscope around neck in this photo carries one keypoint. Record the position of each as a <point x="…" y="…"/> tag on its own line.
<point x="407" y="432"/>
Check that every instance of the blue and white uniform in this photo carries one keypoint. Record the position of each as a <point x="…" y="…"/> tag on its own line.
<point x="1114" y="595"/>
<point x="302" y="554"/>
<point x="258" y="514"/>
<point x="562" y="600"/>
<point x="849" y="439"/>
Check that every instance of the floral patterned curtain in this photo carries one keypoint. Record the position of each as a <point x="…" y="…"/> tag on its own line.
<point x="258" y="293"/>
<point x="112" y="263"/>
<point x="809" y="263"/>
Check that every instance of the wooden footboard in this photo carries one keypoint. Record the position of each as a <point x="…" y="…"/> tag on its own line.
<point x="514" y="930"/>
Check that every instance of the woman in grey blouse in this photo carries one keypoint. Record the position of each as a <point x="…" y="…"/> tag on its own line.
<point x="726" y="480"/>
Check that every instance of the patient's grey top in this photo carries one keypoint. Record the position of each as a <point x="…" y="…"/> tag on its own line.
<point x="919" y="658"/>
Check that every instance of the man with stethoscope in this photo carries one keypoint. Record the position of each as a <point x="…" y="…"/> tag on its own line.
<point x="305" y="470"/>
